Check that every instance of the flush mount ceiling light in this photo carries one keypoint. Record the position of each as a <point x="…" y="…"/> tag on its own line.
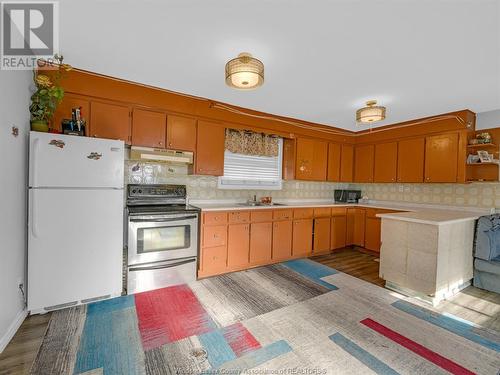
<point x="244" y="72"/>
<point x="371" y="113"/>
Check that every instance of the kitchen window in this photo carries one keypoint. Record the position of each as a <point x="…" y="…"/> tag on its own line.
<point x="252" y="172"/>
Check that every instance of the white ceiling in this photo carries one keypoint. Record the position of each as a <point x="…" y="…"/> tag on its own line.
<point x="323" y="59"/>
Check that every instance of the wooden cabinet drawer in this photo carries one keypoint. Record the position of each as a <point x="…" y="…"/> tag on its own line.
<point x="214" y="259"/>
<point x="239" y="217"/>
<point x="322" y="212"/>
<point x="210" y="218"/>
<point x="263" y="215"/>
<point x="303" y="213"/>
<point x="214" y="235"/>
<point x="282" y="214"/>
<point x="339" y="211"/>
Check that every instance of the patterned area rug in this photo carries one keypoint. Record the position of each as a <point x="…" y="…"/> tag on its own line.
<point x="297" y="316"/>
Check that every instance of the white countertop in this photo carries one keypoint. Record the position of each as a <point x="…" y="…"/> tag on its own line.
<point x="433" y="216"/>
<point x="418" y="213"/>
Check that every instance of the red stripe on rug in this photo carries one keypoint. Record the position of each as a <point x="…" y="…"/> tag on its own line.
<point x="240" y="339"/>
<point x="415" y="347"/>
<point x="170" y="314"/>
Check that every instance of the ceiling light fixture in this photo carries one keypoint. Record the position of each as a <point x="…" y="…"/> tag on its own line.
<point x="244" y="72"/>
<point x="371" y="113"/>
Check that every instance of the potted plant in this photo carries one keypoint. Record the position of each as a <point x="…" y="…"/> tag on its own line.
<point x="47" y="96"/>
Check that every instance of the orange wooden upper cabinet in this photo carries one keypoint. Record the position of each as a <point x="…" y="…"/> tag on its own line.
<point x="181" y="133"/>
<point x="238" y="245"/>
<point x="302" y="237"/>
<point x="110" y="120"/>
<point x="282" y="240"/>
<point x="210" y="149"/>
<point x="441" y="158"/>
<point x="261" y="239"/>
<point x="148" y="128"/>
<point x="334" y="154"/>
<point x="64" y="108"/>
<point x="411" y="160"/>
<point x="364" y="163"/>
<point x="346" y="163"/>
<point x="355" y="231"/>
<point x="321" y="235"/>
<point x="288" y="159"/>
<point x="386" y="160"/>
<point x="311" y="160"/>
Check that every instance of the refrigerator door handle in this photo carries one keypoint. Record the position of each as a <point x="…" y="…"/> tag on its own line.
<point x="34" y="157"/>
<point x="159" y="267"/>
<point x="34" y="229"/>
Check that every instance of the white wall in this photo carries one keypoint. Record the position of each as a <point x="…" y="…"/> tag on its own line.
<point x="487" y="120"/>
<point x="14" y="101"/>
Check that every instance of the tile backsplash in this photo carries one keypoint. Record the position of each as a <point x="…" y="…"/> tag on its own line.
<point x="479" y="194"/>
<point x="205" y="187"/>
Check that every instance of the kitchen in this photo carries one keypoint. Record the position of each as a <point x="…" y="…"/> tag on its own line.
<point x="203" y="233"/>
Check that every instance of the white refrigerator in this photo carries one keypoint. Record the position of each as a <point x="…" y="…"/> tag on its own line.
<point x="75" y="226"/>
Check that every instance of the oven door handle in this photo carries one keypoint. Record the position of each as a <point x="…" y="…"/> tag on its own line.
<point x="149" y="268"/>
<point x="162" y="220"/>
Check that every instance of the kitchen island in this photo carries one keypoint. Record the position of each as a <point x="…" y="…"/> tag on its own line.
<point x="428" y="254"/>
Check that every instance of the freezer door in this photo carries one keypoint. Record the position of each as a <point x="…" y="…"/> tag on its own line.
<point x="75" y="246"/>
<point x="70" y="161"/>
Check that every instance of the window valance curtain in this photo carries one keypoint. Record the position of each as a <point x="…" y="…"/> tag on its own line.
<point x="250" y="143"/>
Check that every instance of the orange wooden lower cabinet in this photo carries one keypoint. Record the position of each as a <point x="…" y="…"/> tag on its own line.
<point x="338" y="232"/>
<point x="302" y="237"/>
<point x="238" y="245"/>
<point x="321" y="235"/>
<point x="355" y="233"/>
<point x="214" y="235"/>
<point x="282" y="240"/>
<point x="214" y="259"/>
<point x="237" y="240"/>
<point x="261" y="239"/>
<point x="372" y="234"/>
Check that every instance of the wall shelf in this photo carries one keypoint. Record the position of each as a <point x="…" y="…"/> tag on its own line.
<point x="482" y="164"/>
<point x="482" y="145"/>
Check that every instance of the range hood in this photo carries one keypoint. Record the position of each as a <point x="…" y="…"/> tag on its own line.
<point x="161" y="155"/>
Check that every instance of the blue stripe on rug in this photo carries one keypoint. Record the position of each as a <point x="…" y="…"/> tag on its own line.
<point x="110" y="305"/>
<point x="110" y="339"/>
<point x="456" y="326"/>
<point x="257" y="357"/>
<point x="218" y="350"/>
<point x="312" y="270"/>
<point x="375" y="364"/>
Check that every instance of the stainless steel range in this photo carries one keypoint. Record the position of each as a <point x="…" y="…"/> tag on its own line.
<point x="162" y="237"/>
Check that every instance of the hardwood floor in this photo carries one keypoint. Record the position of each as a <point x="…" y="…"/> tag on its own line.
<point x="355" y="262"/>
<point x="476" y="305"/>
<point x="21" y="351"/>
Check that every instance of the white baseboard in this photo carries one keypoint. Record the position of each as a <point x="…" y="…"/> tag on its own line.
<point x="12" y="329"/>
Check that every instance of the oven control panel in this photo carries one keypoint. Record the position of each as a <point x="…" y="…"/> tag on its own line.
<point x="159" y="191"/>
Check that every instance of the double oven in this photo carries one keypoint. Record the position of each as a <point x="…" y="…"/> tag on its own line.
<point x="162" y="237"/>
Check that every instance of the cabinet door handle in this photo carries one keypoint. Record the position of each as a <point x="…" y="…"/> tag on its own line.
<point x="160" y="143"/>
<point x="170" y="144"/>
